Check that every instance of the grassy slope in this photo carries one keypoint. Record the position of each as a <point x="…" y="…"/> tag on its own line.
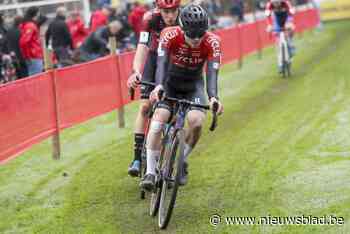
<point x="282" y="148"/>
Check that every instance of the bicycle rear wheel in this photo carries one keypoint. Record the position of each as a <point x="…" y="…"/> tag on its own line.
<point x="284" y="61"/>
<point x="173" y="166"/>
<point x="143" y="169"/>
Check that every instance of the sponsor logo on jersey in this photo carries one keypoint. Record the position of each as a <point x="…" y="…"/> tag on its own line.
<point x="169" y="35"/>
<point x="188" y="60"/>
<point x="215" y="45"/>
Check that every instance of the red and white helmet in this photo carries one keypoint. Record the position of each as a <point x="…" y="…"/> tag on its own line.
<point x="168" y="4"/>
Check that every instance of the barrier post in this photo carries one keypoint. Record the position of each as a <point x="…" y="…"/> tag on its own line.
<point x="240" y="45"/>
<point x="121" y="111"/>
<point x="56" y="146"/>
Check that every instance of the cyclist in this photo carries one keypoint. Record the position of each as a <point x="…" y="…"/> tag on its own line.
<point x="280" y="16"/>
<point x="183" y="51"/>
<point x="154" y="21"/>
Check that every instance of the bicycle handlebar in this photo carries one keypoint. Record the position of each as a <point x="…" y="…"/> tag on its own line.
<point x="182" y="101"/>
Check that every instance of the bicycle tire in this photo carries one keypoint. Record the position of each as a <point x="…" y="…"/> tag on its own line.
<point x="289" y="73"/>
<point x="176" y="159"/>
<point x="284" y="62"/>
<point x="143" y="169"/>
<point x="155" y="196"/>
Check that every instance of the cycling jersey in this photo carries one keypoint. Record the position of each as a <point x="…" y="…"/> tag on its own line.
<point x="181" y="66"/>
<point x="151" y="27"/>
<point x="279" y="15"/>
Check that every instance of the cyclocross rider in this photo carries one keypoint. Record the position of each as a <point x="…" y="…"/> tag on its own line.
<point x="154" y="21"/>
<point x="183" y="51"/>
<point x="280" y="16"/>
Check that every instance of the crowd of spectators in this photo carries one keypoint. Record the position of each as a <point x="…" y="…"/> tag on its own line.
<point x="73" y="41"/>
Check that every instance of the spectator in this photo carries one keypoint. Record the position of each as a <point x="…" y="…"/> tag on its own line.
<point x="13" y="35"/>
<point x="42" y="20"/>
<point x="3" y="39"/>
<point x="58" y="37"/>
<point x="3" y="45"/>
<point x="237" y="9"/>
<point x="96" y="44"/>
<point x="77" y="29"/>
<point x="101" y="3"/>
<point x="99" y="18"/>
<point x="120" y="14"/>
<point x="30" y="41"/>
<point x="135" y="17"/>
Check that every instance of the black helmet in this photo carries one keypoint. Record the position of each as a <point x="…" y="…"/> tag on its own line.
<point x="194" y="21"/>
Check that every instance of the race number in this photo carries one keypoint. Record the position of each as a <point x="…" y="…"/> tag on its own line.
<point x="144" y="37"/>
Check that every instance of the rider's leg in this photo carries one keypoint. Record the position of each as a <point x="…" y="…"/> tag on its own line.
<point x="154" y="136"/>
<point x="139" y="137"/>
<point x="159" y="119"/>
<point x="290" y="36"/>
<point x="141" y="119"/>
<point x="195" y="119"/>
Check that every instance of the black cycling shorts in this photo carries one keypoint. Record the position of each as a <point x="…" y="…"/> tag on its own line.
<point x="149" y="74"/>
<point x="196" y="95"/>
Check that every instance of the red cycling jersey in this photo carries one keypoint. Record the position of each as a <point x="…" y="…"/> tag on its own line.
<point x="191" y="58"/>
<point x="279" y="14"/>
<point x="151" y="27"/>
<point x="181" y="65"/>
<point x="284" y="7"/>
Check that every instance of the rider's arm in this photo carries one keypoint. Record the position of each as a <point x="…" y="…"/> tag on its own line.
<point x="140" y="57"/>
<point x="268" y="12"/>
<point x="142" y="46"/>
<point x="167" y="41"/>
<point x="212" y="79"/>
<point x="268" y="9"/>
<point x="162" y="64"/>
<point x="213" y="66"/>
<point x="291" y="10"/>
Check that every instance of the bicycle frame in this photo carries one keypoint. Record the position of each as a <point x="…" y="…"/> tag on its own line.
<point x="283" y="52"/>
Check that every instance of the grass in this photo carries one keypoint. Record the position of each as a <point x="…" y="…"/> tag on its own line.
<point x="282" y="148"/>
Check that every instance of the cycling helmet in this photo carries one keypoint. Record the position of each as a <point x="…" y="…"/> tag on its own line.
<point x="168" y="4"/>
<point x="194" y="21"/>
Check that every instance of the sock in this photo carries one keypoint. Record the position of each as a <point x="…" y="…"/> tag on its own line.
<point x="188" y="149"/>
<point x="152" y="156"/>
<point x="139" y="139"/>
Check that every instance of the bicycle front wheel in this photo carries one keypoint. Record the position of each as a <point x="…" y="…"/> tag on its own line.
<point x="173" y="166"/>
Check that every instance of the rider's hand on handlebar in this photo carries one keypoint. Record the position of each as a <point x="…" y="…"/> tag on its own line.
<point x="154" y="96"/>
<point x="269" y="28"/>
<point x="134" y="80"/>
<point x="220" y="108"/>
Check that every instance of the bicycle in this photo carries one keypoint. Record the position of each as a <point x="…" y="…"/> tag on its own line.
<point x="284" y="56"/>
<point x="171" y="162"/>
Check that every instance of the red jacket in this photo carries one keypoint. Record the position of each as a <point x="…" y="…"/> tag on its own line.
<point x="135" y="18"/>
<point x="29" y="41"/>
<point x="77" y="31"/>
<point x="97" y="20"/>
